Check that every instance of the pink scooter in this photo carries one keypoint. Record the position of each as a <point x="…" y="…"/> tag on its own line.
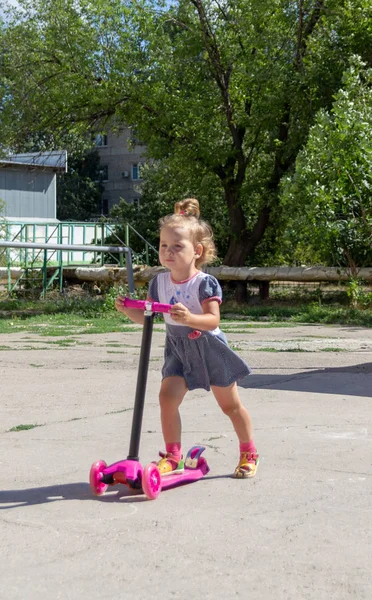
<point x="130" y="471"/>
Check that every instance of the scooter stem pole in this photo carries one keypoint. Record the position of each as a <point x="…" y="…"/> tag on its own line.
<point x="139" y="401"/>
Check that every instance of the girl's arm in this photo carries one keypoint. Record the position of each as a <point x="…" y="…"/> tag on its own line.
<point x="135" y="315"/>
<point x="208" y="321"/>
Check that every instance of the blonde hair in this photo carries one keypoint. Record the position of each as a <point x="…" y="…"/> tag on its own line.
<point x="186" y="214"/>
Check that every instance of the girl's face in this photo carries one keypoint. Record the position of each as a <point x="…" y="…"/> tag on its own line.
<point x="177" y="252"/>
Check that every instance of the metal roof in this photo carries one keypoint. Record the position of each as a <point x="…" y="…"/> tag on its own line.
<point x="46" y="161"/>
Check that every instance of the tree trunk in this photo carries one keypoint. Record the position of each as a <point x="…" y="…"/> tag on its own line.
<point x="242" y="242"/>
<point x="241" y="292"/>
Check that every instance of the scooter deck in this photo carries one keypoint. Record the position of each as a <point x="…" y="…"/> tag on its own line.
<point x="188" y="476"/>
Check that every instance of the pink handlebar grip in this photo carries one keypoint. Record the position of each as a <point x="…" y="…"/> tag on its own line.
<point x="144" y="304"/>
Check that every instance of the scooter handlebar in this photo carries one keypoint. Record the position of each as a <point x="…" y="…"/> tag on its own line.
<point x="146" y="305"/>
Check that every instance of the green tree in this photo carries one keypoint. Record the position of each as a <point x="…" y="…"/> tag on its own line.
<point x="218" y="91"/>
<point x="330" y="195"/>
<point x="159" y="192"/>
<point x="79" y="191"/>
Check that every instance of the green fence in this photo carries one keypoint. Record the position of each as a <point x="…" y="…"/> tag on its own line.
<point x="35" y="262"/>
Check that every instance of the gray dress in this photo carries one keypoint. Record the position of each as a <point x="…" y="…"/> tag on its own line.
<point x="202" y="358"/>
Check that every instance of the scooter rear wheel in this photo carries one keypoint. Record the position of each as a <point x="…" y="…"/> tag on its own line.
<point x="151" y="481"/>
<point x="96" y="485"/>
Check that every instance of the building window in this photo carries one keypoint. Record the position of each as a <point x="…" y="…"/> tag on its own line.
<point x="103" y="173"/>
<point x="134" y="139"/>
<point x="136" y="171"/>
<point x="100" y="140"/>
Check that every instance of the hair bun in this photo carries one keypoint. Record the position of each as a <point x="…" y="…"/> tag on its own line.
<point x="187" y="208"/>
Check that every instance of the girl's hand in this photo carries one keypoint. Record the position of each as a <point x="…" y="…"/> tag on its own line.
<point x="134" y="314"/>
<point x="119" y="305"/>
<point x="180" y="314"/>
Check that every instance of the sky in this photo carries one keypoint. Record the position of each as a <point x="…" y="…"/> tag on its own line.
<point x="3" y="4"/>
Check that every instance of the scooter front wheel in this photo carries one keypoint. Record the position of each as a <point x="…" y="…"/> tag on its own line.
<point x="151" y="481"/>
<point x="96" y="485"/>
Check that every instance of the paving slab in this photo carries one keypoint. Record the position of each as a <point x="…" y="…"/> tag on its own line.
<point x="300" y="530"/>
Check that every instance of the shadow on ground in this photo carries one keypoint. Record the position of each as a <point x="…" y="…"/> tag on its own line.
<point x="323" y="381"/>
<point x="69" y="491"/>
<point x="72" y="491"/>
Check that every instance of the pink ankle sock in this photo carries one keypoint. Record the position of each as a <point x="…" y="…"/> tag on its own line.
<point x="174" y="448"/>
<point x="247" y="447"/>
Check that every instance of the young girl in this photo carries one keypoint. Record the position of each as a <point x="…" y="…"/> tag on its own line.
<point x="196" y="351"/>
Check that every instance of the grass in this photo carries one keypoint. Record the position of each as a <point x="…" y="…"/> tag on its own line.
<point x="63" y="325"/>
<point x="270" y="349"/>
<point x="333" y="350"/>
<point x="304" y="313"/>
<point x="65" y="317"/>
<point x="25" y="427"/>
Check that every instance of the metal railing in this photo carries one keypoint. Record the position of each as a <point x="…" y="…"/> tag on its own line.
<point x="121" y="250"/>
<point x="73" y="232"/>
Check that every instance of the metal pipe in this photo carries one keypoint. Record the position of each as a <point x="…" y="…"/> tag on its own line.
<point x="139" y="401"/>
<point x="130" y="271"/>
<point x="78" y="247"/>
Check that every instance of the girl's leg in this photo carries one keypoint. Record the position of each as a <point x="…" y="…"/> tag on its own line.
<point x="230" y="403"/>
<point x="172" y="392"/>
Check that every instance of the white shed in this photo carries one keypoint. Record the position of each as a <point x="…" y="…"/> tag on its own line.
<point x="28" y="184"/>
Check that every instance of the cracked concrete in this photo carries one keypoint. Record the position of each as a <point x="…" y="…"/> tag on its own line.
<point x="301" y="530"/>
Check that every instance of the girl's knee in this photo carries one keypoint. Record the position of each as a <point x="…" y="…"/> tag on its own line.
<point x="231" y="409"/>
<point x="172" y="392"/>
<point x="167" y="399"/>
<point x="228" y="399"/>
<point x="169" y="404"/>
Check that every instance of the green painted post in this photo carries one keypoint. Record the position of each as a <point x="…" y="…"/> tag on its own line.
<point x="9" y="265"/>
<point x="26" y="249"/>
<point x="7" y="254"/>
<point x="102" y="243"/>
<point x="34" y="240"/>
<point x="60" y="257"/>
<point x="95" y="243"/>
<point x="45" y="281"/>
<point x="21" y="250"/>
<point x="84" y="240"/>
<point x="71" y="232"/>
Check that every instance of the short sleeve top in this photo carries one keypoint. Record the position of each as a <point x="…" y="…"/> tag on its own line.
<point x="192" y="292"/>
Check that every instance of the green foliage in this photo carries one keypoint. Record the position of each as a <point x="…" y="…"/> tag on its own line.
<point x="306" y="313"/>
<point x="84" y="316"/>
<point x="159" y="192"/>
<point x="111" y="295"/>
<point x="357" y="295"/>
<point x="330" y="195"/>
<point x="79" y="191"/>
<point x="222" y="94"/>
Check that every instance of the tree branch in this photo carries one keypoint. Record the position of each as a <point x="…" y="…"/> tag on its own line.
<point x="221" y="75"/>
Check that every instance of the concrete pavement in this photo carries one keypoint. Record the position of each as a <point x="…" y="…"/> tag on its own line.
<point x="301" y="530"/>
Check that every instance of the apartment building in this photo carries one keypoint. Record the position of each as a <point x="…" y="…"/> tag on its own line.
<point x="121" y="157"/>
